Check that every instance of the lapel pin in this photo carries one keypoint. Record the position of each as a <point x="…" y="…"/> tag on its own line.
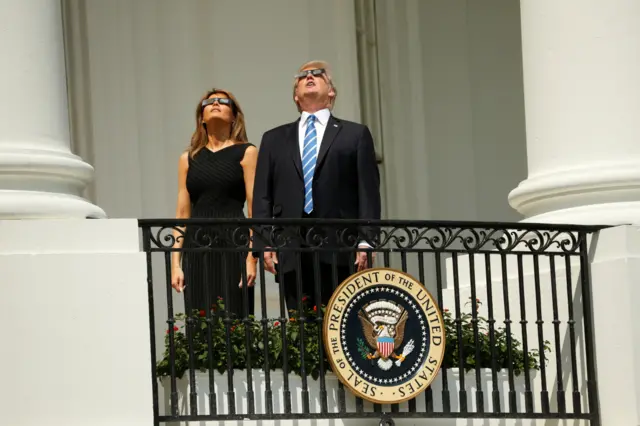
<point x="335" y="125"/>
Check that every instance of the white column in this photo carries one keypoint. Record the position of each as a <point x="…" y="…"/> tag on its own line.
<point x="75" y="307"/>
<point x="39" y="176"/>
<point x="581" y="64"/>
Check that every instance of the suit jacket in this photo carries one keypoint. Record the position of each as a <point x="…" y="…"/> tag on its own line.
<point x="346" y="182"/>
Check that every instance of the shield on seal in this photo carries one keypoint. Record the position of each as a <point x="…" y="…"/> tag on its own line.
<point x="385" y="346"/>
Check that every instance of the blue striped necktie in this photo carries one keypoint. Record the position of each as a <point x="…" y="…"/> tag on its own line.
<point x="309" y="157"/>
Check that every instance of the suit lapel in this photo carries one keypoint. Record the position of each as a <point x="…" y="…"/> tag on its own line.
<point x="330" y="133"/>
<point x="294" y="147"/>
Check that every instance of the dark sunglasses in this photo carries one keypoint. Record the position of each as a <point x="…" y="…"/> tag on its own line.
<point x="221" y="101"/>
<point x="314" y="72"/>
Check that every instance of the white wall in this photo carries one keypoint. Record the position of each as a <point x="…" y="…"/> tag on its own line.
<point x="147" y="62"/>
<point x="450" y="81"/>
<point x="453" y="108"/>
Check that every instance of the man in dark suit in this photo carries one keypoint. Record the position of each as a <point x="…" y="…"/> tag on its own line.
<point x="319" y="166"/>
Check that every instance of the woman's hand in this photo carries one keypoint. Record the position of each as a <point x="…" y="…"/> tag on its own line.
<point x="251" y="271"/>
<point x="177" y="279"/>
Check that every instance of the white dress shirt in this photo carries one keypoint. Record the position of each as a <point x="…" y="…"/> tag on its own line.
<point x="322" y="119"/>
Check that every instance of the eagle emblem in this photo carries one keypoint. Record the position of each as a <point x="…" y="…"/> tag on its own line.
<point x="383" y="323"/>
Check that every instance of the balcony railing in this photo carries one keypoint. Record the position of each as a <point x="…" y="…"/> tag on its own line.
<point x="514" y="300"/>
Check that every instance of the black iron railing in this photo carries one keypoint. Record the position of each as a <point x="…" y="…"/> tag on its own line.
<point x="515" y="301"/>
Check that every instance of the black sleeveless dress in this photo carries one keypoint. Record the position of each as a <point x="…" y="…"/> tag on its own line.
<point x="215" y="182"/>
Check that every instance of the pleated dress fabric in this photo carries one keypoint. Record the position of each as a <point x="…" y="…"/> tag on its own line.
<point x="215" y="182"/>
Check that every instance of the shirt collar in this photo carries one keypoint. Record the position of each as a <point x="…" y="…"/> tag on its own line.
<point x="322" y="116"/>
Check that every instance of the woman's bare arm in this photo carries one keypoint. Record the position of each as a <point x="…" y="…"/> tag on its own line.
<point x="248" y="164"/>
<point x="183" y="208"/>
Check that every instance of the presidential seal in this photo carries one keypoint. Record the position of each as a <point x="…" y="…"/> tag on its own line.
<point x="384" y="335"/>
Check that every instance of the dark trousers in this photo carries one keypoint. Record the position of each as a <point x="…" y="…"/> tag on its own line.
<point x="301" y="282"/>
<point x="329" y="277"/>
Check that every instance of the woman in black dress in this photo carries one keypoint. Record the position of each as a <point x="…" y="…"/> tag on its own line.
<point x="215" y="179"/>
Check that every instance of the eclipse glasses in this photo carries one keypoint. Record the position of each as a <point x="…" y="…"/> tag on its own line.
<point x="221" y="101"/>
<point x="314" y="72"/>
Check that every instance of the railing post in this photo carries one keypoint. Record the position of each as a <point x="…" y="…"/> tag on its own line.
<point x="587" y="306"/>
<point x="146" y="247"/>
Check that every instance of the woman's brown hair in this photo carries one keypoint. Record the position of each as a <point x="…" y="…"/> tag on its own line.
<point x="238" y="130"/>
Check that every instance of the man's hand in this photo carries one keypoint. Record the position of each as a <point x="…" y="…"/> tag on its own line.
<point x="362" y="260"/>
<point x="270" y="261"/>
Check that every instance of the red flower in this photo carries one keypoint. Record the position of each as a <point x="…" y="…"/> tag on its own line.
<point x="315" y="309"/>
<point x="233" y="327"/>
<point x="202" y="313"/>
<point x="175" y="328"/>
<point x="276" y="324"/>
<point x="446" y="310"/>
<point x="305" y="298"/>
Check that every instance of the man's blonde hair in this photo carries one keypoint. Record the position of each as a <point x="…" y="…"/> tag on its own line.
<point x="327" y="77"/>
